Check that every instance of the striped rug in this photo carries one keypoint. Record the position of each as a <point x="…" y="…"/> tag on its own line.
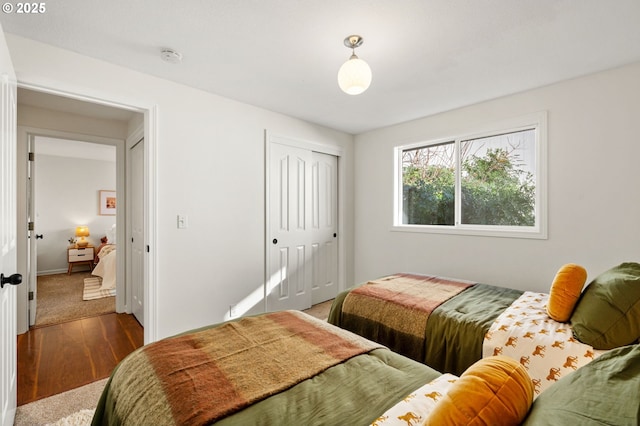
<point x="92" y="289"/>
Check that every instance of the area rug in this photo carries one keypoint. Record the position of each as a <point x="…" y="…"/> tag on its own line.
<point x="73" y="407"/>
<point x="80" y="418"/>
<point x="59" y="299"/>
<point x="92" y="289"/>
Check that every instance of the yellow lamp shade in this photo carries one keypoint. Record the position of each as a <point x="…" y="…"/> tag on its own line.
<point x="82" y="232"/>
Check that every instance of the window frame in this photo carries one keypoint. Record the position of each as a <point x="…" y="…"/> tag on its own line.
<point x="537" y="122"/>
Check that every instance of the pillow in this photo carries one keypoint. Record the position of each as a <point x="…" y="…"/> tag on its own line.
<point x="565" y="291"/>
<point x="605" y="391"/>
<point x="493" y="391"/>
<point x="608" y="312"/>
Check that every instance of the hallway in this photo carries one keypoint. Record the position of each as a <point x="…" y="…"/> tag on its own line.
<point x="64" y="356"/>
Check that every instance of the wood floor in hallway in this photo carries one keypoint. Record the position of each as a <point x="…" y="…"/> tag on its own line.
<point x="64" y="356"/>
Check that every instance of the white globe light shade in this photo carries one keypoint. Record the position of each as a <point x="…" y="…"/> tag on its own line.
<point x="354" y="76"/>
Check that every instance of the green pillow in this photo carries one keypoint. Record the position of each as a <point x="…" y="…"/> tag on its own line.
<point x="608" y="312"/>
<point x="604" y="392"/>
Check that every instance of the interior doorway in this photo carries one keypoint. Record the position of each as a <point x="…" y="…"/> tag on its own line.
<point x="66" y="180"/>
<point x="43" y="114"/>
<point x="47" y="115"/>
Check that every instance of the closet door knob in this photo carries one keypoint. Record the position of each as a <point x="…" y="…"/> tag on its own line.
<point x="275" y="241"/>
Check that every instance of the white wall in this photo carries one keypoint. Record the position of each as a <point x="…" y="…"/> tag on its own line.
<point x="210" y="166"/>
<point x="67" y="196"/>
<point x="593" y="196"/>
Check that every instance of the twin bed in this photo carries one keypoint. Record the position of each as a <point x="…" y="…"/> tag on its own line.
<point x="449" y="324"/>
<point x="106" y="268"/>
<point x="448" y="331"/>
<point x="289" y="368"/>
<point x="277" y="368"/>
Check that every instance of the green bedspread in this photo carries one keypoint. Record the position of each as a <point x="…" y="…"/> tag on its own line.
<point x="455" y="330"/>
<point x="396" y="309"/>
<point x="352" y="392"/>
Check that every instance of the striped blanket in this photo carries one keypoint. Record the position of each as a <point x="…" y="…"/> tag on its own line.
<point x="202" y="377"/>
<point x="394" y="310"/>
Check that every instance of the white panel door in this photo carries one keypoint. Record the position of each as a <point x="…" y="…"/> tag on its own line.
<point x="8" y="238"/>
<point x="137" y="230"/>
<point x="289" y="270"/>
<point x="324" y="227"/>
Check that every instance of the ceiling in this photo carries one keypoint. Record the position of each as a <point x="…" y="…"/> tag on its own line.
<point x="74" y="149"/>
<point x="427" y="56"/>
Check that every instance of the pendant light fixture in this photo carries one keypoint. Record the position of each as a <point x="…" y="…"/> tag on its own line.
<point x="354" y="76"/>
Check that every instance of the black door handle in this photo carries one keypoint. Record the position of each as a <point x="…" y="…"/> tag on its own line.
<point x="39" y="236"/>
<point x="14" y="279"/>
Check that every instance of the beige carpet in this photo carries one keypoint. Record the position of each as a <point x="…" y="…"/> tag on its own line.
<point x="54" y="408"/>
<point x="60" y="299"/>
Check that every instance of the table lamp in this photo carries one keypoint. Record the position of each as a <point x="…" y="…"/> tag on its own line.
<point x="82" y="232"/>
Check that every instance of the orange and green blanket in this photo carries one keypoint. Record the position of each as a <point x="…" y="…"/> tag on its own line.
<point x="202" y="377"/>
<point x="394" y="310"/>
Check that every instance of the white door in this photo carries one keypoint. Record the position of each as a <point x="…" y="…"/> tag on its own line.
<point x="136" y="188"/>
<point x="324" y="227"/>
<point x="8" y="238"/>
<point x="289" y="271"/>
<point x="302" y="250"/>
<point x="32" y="264"/>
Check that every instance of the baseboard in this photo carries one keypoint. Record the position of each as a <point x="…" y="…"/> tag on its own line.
<point x="52" y="272"/>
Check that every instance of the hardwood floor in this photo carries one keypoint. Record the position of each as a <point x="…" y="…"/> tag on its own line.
<point x="65" y="356"/>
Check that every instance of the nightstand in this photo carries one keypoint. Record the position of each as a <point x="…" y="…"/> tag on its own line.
<point x="79" y="255"/>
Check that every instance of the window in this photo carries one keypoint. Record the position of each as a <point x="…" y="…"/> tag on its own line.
<point x="486" y="183"/>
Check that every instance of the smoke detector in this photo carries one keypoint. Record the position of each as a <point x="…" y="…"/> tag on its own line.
<point x="171" y="56"/>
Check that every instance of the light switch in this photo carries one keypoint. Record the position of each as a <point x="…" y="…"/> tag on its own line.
<point x="182" y="222"/>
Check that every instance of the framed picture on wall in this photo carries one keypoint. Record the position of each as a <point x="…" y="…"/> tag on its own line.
<point x="107" y="206"/>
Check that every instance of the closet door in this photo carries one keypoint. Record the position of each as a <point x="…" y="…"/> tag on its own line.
<point x="288" y="283"/>
<point x="302" y="240"/>
<point x="324" y="227"/>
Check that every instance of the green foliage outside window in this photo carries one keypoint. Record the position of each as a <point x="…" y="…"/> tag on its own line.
<point x="493" y="192"/>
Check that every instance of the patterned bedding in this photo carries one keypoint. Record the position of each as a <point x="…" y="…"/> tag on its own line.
<point x="415" y="407"/>
<point x="605" y="391"/>
<point x="546" y="348"/>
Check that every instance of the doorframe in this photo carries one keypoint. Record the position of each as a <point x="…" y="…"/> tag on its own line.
<point x="150" y="132"/>
<point x="23" y="136"/>
<point x="337" y="151"/>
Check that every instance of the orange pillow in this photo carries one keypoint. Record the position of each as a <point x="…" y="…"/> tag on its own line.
<point x="565" y="291"/>
<point x="493" y="391"/>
